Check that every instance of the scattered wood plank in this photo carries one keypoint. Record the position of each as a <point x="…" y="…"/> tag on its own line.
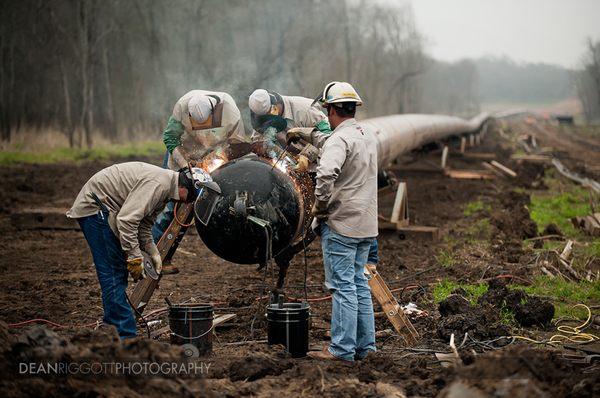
<point x="463" y="144"/>
<point x="400" y="209"/>
<point x="444" y="157"/>
<point x="493" y="169"/>
<point x="479" y="155"/>
<point x="221" y="319"/>
<point x="589" y="224"/>
<point x="470" y="174"/>
<point x="159" y="332"/>
<point x="43" y="218"/>
<point x="503" y="169"/>
<point x="419" y="231"/>
<point x="388" y="302"/>
<point x="532" y="158"/>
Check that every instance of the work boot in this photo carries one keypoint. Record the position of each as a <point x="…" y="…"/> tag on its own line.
<point x="369" y="354"/>
<point x="169" y="269"/>
<point x="325" y="355"/>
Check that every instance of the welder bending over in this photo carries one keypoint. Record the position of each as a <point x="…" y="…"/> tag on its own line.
<point x="116" y="209"/>
<point x="203" y="124"/>
<point x="273" y="114"/>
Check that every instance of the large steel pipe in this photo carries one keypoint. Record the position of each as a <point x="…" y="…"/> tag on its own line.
<point x="399" y="134"/>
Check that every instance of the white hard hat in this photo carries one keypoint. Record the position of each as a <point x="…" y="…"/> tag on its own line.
<point x="337" y="92"/>
<point x="200" y="107"/>
<point x="260" y="102"/>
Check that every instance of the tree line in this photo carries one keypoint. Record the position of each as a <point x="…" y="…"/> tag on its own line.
<point x="116" y="67"/>
<point x="587" y="81"/>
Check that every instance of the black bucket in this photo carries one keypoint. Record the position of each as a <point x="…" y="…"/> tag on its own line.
<point x="192" y="324"/>
<point x="287" y="324"/>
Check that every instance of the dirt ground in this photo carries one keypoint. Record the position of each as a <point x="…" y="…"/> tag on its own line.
<point x="49" y="274"/>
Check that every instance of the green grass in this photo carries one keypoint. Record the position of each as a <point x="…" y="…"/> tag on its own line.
<point x="445" y="258"/>
<point x="480" y="229"/>
<point x="138" y="149"/>
<point x="475" y="207"/>
<point x="564" y="294"/>
<point x="559" y="208"/>
<point x="445" y="287"/>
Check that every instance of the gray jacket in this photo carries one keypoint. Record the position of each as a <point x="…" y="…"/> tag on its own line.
<point x="134" y="193"/>
<point x="347" y="179"/>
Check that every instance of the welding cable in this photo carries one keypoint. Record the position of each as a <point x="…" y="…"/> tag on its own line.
<point x="576" y="334"/>
<point x="48" y="322"/>
<point x="305" y="271"/>
<point x="572" y="334"/>
<point x="181" y="223"/>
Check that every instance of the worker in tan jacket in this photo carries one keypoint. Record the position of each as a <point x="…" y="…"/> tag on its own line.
<point x="346" y="213"/>
<point x="203" y="125"/>
<point x="116" y="209"/>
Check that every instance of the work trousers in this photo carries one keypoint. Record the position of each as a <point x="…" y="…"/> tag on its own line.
<point x="111" y="268"/>
<point x="352" y="317"/>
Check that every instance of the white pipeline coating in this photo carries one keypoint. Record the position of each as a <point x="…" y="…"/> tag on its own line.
<point x="399" y="134"/>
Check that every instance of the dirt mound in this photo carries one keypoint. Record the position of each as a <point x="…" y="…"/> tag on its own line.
<point x="528" y="310"/>
<point x="522" y="372"/>
<point x="454" y="304"/>
<point x="257" y="366"/>
<point x="530" y="175"/>
<point x="484" y="320"/>
<point x="512" y="219"/>
<point x="85" y="357"/>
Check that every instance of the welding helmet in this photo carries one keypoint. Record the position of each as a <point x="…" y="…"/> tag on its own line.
<point x="203" y="191"/>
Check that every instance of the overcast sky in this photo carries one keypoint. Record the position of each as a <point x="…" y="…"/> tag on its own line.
<point x="551" y="31"/>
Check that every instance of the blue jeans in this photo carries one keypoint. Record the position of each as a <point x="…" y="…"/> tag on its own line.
<point x="163" y="221"/>
<point x="165" y="218"/>
<point x="373" y="257"/>
<point x="352" y="317"/>
<point x="111" y="269"/>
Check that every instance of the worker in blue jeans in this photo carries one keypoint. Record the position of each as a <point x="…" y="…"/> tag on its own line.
<point x="112" y="272"/>
<point x="116" y="209"/>
<point x="345" y="211"/>
<point x="352" y="320"/>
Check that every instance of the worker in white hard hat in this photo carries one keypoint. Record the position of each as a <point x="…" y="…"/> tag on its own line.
<point x="203" y="124"/>
<point x="273" y="114"/>
<point x="345" y="212"/>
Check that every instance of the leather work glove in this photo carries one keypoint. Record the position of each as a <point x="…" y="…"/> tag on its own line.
<point x="297" y="133"/>
<point x="319" y="210"/>
<point x="136" y="269"/>
<point x="302" y="165"/>
<point x="155" y="257"/>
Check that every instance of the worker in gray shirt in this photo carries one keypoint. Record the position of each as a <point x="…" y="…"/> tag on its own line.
<point x="346" y="212"/>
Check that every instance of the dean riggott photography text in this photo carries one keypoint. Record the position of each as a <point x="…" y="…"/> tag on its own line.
<point x="96" y="368"/>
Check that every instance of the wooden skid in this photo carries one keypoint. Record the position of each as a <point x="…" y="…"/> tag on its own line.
<point x="590" y="224"/>
<point x="143" y="290"/>
<point x="43" y="218"/>
<point x="470" y="174"/>
<point x="419" y="231"/>
<point x="390" y="306"/>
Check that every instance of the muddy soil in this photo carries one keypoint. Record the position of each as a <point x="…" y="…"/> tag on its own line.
<point x="49" y="274"/>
